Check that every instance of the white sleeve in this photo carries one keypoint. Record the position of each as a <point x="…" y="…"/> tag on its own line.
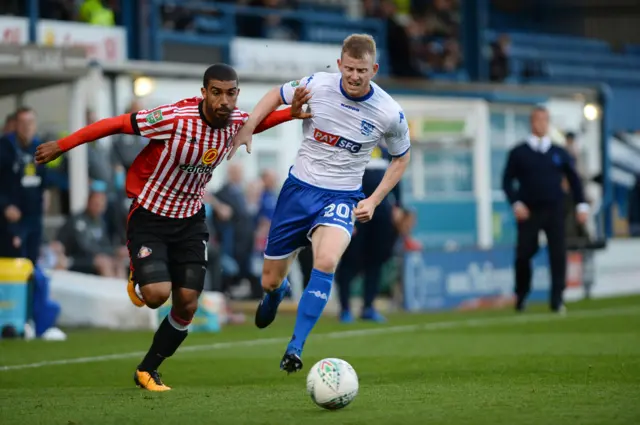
<point x="288" y="89"/>
<point x="397" y="135"/>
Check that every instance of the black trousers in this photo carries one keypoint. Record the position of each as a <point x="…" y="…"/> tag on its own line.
<point x="551" y="220"/>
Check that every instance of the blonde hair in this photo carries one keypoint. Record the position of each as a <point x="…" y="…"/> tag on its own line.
<point x="359" y="45"/>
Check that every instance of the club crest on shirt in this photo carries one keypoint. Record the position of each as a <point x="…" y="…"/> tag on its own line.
<point x="154" y="117"/>
<point x="144" y="252"/>
<point x="210" y="156"/>
<point x="366" y="128"/>
<point x="295" y="83"/>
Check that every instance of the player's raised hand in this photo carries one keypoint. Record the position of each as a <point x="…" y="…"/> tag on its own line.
<point x="365" y="209"/>
<point x="243" y="137"/>
<point x="301" y="97"/>
<point x="47" y="152"/>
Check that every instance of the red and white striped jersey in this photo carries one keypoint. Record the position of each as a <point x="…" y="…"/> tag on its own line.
<point x="169" y="176"/>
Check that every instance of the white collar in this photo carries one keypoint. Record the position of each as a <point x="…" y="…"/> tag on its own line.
<point x="539" y="144"/>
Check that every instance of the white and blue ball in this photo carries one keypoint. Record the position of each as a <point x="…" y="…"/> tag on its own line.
<point x="332" y="383"/>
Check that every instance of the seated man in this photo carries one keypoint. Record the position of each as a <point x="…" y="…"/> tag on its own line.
<point x="87" y="244"/>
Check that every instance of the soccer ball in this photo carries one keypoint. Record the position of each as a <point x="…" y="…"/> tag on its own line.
<point x="332" y="384"/>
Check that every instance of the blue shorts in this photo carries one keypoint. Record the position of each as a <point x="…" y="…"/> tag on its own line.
<point x="301" y="208"/>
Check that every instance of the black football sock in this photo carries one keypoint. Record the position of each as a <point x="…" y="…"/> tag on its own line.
<point x="170" y="334"/>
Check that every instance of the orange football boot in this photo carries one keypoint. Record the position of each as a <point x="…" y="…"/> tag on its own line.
<point x="149" y="381"/>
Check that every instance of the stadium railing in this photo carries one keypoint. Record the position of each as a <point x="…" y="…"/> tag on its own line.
<point x="216" y="25"/>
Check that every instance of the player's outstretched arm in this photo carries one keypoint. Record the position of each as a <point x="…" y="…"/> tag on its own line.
<point x="265" y="106"/>
<point x="49" y="151"/>
<point x="296" y="111"/>
<point x="269" y="118"/>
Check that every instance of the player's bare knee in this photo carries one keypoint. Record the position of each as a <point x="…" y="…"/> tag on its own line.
<point x="186" y="311"/>
<point x="273" y="274"/>
<point x="326" y="262"/>
<point x="271" y="280"/>
<point x="156" y="294"/>
<point x="185" y="303"/>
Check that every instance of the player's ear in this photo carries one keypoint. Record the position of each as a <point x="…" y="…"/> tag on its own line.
<point x="203" y="91"/>
<point x="376" y="67"/>
<point x="339" y="63"/>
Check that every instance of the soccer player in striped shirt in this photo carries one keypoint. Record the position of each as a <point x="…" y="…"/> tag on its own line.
<point x="166" y="230"/>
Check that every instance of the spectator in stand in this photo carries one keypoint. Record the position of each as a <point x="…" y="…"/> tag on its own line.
<point x="23" y="200"/>
<point x="237" y="234"/>
<point x="372" y="242"/>
<point x="270" y="26"/>
<point x="443" y="18"/>
<point x="9" y="124"/>
<point x="268" y="200"/>
<point x="102" y="172"/>
<point x="124" y="150"/>
<point x="499" y="64"/>
<point x="22" y="190"/>
<point x="97" y="12"/>
<point x="401" y="57"/>
<point x="87" y="243"/>
<point x="59" y="10"/>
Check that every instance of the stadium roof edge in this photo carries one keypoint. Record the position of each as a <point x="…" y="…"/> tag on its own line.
<point x="29" y="67"/>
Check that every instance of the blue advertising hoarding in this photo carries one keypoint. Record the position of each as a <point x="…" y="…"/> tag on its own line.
<point x="467" y="279"/>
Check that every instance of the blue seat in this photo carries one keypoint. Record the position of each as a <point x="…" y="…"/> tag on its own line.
<point x="631" y="49"/>
<point x="552" y="41"/>
<point x="208" y="24"/>
<point x="613" y="60"/>
<point x="561" y="72"/>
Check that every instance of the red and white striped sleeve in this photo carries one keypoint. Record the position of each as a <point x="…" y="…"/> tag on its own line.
<point x="158" y="123"/>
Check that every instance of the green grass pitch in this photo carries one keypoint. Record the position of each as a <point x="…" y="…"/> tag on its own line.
<point x="490" y="367"/>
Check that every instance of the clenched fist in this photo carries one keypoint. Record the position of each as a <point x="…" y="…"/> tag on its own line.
<point x="48" y="152"/>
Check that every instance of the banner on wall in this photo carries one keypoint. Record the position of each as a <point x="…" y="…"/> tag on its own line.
<point x="14" y="30"/>
<point x="104" y="44"/>
<point x="281" y="59"/>
<point x="472" y="279"/>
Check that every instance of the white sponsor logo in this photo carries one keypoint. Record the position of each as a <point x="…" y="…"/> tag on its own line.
<point x="319" y="294"/>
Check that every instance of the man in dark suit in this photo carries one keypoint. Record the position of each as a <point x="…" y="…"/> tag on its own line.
<point x="22" y="192"/>
<point x="539" y="167"/>
<point x="23" y="187"/>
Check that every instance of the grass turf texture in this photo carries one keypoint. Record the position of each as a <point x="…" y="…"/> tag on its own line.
<point x="449" y="368"/>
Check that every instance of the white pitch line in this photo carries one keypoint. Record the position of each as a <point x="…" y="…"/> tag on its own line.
<point x="522" y="319"/>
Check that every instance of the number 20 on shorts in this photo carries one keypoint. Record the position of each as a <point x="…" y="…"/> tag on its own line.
<point x="341" y="210"/>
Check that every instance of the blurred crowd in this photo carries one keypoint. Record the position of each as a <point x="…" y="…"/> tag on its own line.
<point x="424" y="35"/>
<point x="94" y="12"/>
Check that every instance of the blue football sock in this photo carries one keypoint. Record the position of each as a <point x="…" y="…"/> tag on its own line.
<point x="310" y="307"/>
